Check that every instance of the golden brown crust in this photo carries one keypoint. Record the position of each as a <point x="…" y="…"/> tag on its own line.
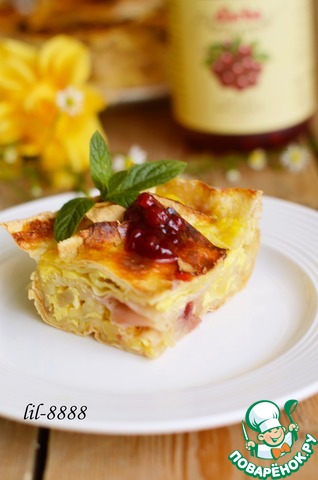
<point x="210" y="200"/>
<point x="104" y="243"/>
<point x="34" y="234"/>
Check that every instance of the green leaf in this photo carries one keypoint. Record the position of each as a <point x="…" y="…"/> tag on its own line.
<point x="116" y="195"/>
<point x="70" y="216"/>
<point x="126" y="200"/>
<point x="214" y="52"/>
<point x="261" y="57"/>
<point x="100" y="163"/>
<point x="235" y="45"/>
<point x="125" y="186"/>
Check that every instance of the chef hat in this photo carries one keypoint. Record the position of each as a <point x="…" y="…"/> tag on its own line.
<point x="262" y="416"/>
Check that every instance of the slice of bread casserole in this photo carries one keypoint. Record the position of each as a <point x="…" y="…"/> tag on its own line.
<point x="96" y="282"/>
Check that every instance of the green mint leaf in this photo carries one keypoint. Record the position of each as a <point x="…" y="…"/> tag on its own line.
<point x="123" y="187"/>
<point x="115" y="194"/>
<point x="126" y="200"/>
<point x="100" y="163"/>
<point x="70" y="216"/>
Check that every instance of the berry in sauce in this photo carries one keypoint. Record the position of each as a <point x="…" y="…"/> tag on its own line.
<point x="154" y="231"/>
<point x="161" y="234"/>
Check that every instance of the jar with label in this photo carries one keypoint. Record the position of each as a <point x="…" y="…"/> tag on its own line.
<point x="242" y="71"/>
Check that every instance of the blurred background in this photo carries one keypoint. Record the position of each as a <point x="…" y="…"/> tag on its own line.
<point x="126" y="85"/>
<point x="70" y="67"/>
<point x="127" y="38"/>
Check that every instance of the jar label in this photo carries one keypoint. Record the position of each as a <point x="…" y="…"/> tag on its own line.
<point x="242" y="67"/>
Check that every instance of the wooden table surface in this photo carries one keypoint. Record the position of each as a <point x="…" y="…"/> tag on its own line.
<point x="32" y="453"/>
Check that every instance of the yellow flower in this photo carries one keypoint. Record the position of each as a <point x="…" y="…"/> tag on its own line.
<point x="10" y="124"/>
<point x="17" y="69"/>
<point x="65" y="60"/>
<point x="47" y="108"/>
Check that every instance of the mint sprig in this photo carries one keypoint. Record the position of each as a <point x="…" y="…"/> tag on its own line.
<point x="121" y="187"/>
<point x="125" y="186"/>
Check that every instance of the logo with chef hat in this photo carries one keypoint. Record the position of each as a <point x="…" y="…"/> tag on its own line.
<point x="264" y="418"/>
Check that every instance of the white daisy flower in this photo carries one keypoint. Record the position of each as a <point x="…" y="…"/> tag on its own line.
<point x="70" y="100"/>
<point x="233" y="175"/>
<point x="135" y="156"/>
<point x="294" y="158"/>
<point x="10" y="155"/>
<point x="119" y="162"/>
<point x="257" y="159"/>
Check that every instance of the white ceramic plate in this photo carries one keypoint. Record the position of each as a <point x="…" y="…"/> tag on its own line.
<point x="261" y="345"/>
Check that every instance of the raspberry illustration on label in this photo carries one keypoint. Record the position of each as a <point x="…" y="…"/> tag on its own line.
<point x="236" y="64"/>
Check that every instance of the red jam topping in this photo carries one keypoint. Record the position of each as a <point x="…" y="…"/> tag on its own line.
<point x="161" y="234"/>
<point x="154" y="231"/>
